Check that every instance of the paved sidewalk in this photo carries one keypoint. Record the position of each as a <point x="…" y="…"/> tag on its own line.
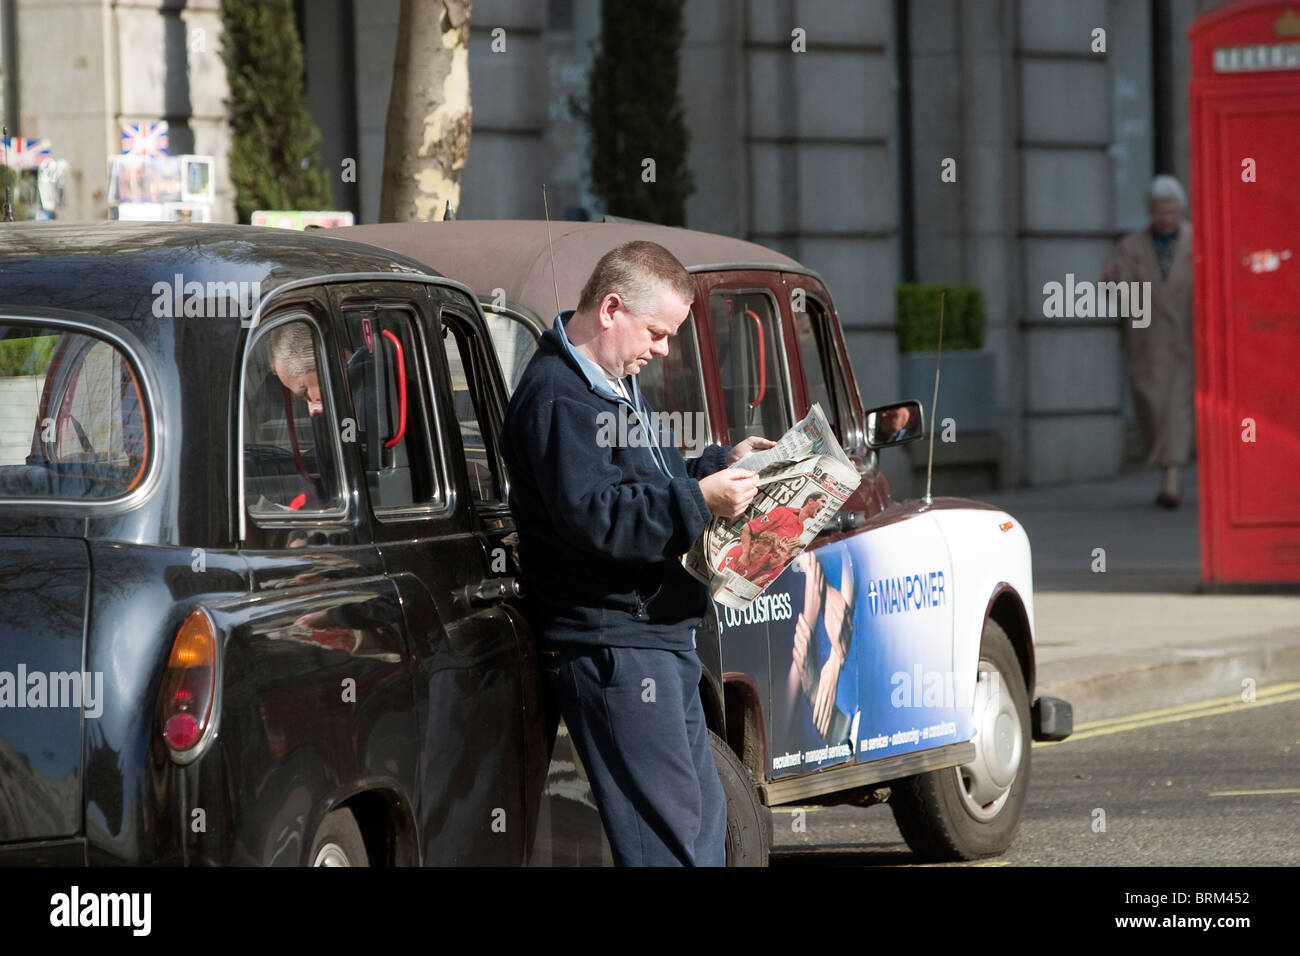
<point x="1138" y="636"/>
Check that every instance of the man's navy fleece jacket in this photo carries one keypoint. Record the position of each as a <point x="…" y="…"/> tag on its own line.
<point x="600" y="528"/>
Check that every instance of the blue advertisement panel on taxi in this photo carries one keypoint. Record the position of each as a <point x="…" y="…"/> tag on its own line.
<point x="859" y="636"/>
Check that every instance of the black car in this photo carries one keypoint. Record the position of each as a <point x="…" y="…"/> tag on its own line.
<point x="251" y="558"/>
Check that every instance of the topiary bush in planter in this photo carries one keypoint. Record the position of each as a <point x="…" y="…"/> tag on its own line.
<point x="967" y="390"/>
<point x="918" y="317"/>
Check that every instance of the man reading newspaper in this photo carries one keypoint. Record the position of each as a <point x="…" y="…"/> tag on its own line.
<point x="602" y="523"/>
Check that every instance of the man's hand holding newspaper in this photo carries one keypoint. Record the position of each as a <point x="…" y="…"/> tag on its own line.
<point x="728" y="492"/>
<point x="804" y="479"/>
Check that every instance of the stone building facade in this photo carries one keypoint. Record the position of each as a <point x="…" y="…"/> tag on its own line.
<point x="834" y="155"/>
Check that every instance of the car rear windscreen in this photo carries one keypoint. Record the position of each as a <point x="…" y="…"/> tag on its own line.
<point x="73" y="422"/>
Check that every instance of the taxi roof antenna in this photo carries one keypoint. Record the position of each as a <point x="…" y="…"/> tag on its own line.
<point x="934" y="407"/>
<point x="546" y="211"/>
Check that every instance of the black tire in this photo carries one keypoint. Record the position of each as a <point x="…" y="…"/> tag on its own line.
<point x="749" y="823"/>
<point x="338" y="842"/>
<point x="933" y="810"/>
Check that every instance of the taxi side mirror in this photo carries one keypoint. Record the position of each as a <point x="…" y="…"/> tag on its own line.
<point x="895" y="424"/>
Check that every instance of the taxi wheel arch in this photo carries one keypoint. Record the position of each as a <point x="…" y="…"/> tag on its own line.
<point x="1007" y="610"/>
<point x="338" y="841"/>
<point x="386" y="827"/>
<point x="749" y="823"/>
<point x="383" y="819"/>
<point x="935" y="811"/>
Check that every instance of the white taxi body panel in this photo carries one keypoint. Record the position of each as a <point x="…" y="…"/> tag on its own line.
<point x="990" y="554"/>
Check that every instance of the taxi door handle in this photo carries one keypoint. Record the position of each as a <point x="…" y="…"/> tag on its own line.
<point x="492" y="590"/>
<point x="848" y="520"/>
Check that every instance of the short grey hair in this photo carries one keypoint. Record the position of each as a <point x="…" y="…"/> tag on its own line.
<point x="1165" y="186"/>
<point x="638" y="271"/>
<point x="293" y="347"/>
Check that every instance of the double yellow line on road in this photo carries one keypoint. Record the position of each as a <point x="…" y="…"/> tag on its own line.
<point x="1277" y="694"/>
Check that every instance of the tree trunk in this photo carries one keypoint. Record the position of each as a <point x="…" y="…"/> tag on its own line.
<point x="427" y="135"/>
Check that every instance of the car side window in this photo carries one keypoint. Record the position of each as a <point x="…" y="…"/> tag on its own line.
<point x="821" y="366"/>
<point x="468" y="387"/>
<point x="514" y="342"/>
<point x="674" y="383"/>
<point x="291" y="450"/>
<point x="747" y="335"/>
<point x="391" y="425"/>
<point x="73" y="417"/>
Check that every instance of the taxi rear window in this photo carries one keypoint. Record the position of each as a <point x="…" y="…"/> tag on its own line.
<point x="73" y="419"/>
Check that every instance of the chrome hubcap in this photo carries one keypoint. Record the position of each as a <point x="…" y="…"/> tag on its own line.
<point x="985" y="782"/>
<point x="331" y="854"/>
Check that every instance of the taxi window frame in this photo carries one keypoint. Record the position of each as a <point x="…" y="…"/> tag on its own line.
<point x="516" y="313"/>
<point x="299" y="311"/>
<point x="292" y="291"/>
<point x="153" y="413"/>
<point x="699" y="381"/>
<point x="783" y="360"/>
<point x="853" y="437"/>
<point x="434" y="439"/>
<point x="452" y="311"/>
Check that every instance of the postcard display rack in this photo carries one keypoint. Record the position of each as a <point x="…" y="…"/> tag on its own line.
<point x="147" y="184"/>
<point x="161" y="188"/>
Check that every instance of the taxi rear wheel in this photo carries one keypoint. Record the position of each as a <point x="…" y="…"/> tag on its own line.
<point x="974" y="810"/>
<point x="748" y="821"/>
<point x="338" y="842"/>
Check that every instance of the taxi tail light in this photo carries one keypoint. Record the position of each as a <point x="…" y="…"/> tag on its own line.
<point x="188" y="687"/>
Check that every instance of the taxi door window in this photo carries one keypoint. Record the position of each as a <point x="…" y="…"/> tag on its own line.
<point x="390" y="423"/>
<point x="73" y="420"/>
<point x="468" y="391"/>
<point x="514" y="342"/>
<point x="291" y="450"/>
<point x="675" y="383"/>
<point x="821" y="367"/>
<point x="747" y="335"/>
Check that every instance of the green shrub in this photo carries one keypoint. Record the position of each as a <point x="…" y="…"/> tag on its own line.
<point x="634" y="111"/>
<point x="28" y="356"/>
<point x="918" y="317"/>
<point x="10" y="180"/>
<point x="274" y="145"/>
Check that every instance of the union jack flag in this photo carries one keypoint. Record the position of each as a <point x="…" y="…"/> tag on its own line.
<point x="25" y="153"/>
<point x="144" y="139"/>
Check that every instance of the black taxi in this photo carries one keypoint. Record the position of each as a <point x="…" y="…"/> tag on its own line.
<point x="256" y="598"/>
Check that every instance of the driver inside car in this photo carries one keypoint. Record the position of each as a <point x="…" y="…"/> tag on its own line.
<point x="292" y="360"/>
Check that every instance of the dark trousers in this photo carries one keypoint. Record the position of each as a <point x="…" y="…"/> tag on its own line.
<point x="634" y="715"/>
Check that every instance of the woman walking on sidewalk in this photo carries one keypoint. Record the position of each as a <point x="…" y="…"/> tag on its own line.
<point x="1160" y="357"/>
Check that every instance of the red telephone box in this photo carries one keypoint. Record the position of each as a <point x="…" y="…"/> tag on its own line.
<point x="1245" y="144"/>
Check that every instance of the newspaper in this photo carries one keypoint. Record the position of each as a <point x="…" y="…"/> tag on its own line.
<point x="803" y="481"/>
